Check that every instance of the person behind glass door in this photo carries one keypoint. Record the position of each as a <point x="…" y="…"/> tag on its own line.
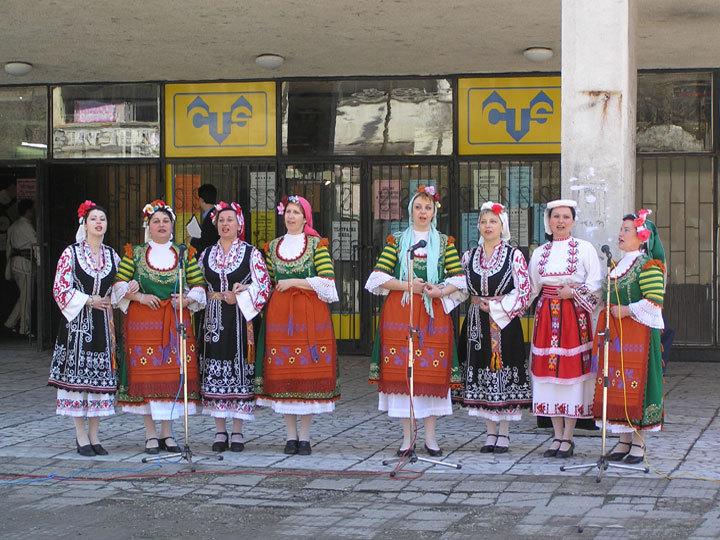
<point x="493" y="361"/>
<point x="296" y="371"/>
<point x="21" y="241"/>
<point x="565" y="272"/>
<point x="207" y="194"/>
<point x="637" y="290"/>
<point x="439" y="286"/>
<point x="150" y="374"/>
<point x="238" y="287"/>
<point x="83" y="363"/>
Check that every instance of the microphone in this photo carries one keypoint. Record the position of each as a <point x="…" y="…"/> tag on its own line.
<point x="606" y="250"/>
<point x="182" y="248"/>
<point x="420" y="244"/>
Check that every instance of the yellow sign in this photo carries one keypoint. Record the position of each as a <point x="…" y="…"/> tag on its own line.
<point x="512" y="115"/>
<point x="220" y="119"/>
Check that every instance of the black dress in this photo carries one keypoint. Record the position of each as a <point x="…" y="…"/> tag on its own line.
<point x="227" y="386"/>
<point x="83" y="363"/>
<point x="492" y="355"/>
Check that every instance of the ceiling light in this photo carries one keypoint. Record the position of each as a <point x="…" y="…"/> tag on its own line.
<point x="269" y="61"/>
<point x="538" y="54"/>
<point x="18" y="68"/>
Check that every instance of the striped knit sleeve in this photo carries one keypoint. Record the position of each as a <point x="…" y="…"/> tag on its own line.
<point x="193" y="275"/>
<point x="322" y="260"/>
<point x="126" y="268"/>
<point x="453" y="266"/>
<point x="268" y="262"/>
<point x="388" y="258"/>
<point x="652" y="282"/>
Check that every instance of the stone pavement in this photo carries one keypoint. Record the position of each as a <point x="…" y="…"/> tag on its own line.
<point x="343" y="490"/>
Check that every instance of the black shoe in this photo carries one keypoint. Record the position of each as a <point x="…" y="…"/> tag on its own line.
<point x="618" y="456"/>
<point x="304" y="448"/>
<point x="552" y="452"/>
<point x="85" y="450"/>
<point x="164" y="446"/>
<point x="433" y="453"/>
<point x="99" y="450"/>
<point x="291" y="447"/>
<point x="153" y="450"/>
<point x="634" y="460"/>
<point x="403" y="451"/>
<point x="488" y="448"/>
<point x="566" y="453"/>
<point x="220" y="446"/>
<point x="502" y="449"/>
<point x="236" y="446"/>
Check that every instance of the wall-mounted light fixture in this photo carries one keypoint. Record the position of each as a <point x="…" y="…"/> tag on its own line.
<point x="538" y="54"/>
<point x="269" y="60"/>
<point x="18" y="68"/>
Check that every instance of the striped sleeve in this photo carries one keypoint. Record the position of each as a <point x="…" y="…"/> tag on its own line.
<point x="126" y="268"/>
<point x="388" y="258"/>
<point x="268" y="262"/>
<point x="453" y="266"/>
<point x="193" y="275"/>
<point x="322" y="260"/>
<point x="652" y="282"/>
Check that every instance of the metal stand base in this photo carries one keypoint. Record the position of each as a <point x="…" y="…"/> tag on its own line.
<point x="412" y="457"/>
<point x="185" y="454"/>
<point x="603" y="465"/>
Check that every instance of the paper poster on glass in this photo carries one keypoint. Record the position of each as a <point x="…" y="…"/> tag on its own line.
<point x="387" y="199"/>
<point x="470" y="232"/>
<point x="345" y="240"/>
<point x="486" y="186"/>
<point x="518" y="218"/>
<point x="262" y="190"/>
<point x="518" y="186"/>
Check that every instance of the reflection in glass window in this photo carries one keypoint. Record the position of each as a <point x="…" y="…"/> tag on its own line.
<point x="23" y="117"/>
<point x="674" y="112"/>
<point x="368" y="117"/>
<point x="105" y="121"/>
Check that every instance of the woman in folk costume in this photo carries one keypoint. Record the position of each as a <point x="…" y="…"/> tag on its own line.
<point x="493" y="361"/>
<point x="296" y="372"/>
<point x="439" y="286"/>
<point x="565" y="272"/>
<point x="83" y="364"/>
<point x="151" y="380"/>
<point x="238" y="286"/>
<point x="635" y="374"/>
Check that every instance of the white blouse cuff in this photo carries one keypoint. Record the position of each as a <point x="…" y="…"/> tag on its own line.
<point x="245" y="303"/>
<point x="498" y="313"/>
<point x="197" y="299"/>
<point x="324" y="288"/>
<point x="119" y="290"/>
<point x="375" y="281"/>
<point x="75" y="305"/>
<point x="453" y="300"/>
<point x="647" y="313"/>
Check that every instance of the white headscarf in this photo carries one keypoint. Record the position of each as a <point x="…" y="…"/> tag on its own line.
<point x="554" y="204"/>
<point x="499" y="210"/>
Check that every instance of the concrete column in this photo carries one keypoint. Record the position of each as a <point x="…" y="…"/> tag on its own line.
<point x="599" y="87"/>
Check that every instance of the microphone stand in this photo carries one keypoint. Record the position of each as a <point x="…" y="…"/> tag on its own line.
<point x="602" y="463"/>
<point x="411" y="456"/>
<point x="186" y="453"/>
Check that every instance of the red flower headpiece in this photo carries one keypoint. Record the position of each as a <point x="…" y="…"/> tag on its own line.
<point x="84" y="208"/>
<point x="150" y="208"/>
<point x="429" y="190"/>
<point x="222" y="205"/>
<point x="497" y="208"/>
<point x="642" y="231"/>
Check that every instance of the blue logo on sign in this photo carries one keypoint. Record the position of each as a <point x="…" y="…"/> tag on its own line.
<point x="541" y="106"/>
<point x="239" y="114"/>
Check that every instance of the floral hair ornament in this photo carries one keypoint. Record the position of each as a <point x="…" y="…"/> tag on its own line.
<point x="499" y="210"/>
<point x="148" y="211"/>
<point x="430" y="190"/>
<point x="83" y="211"/>
<point x="303" y="203"/>
<point x="641" y="227"/>
<point x="235" y="207"/>
<point x="285" y="201"/>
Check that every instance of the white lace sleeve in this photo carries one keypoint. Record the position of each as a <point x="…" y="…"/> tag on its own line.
<point x="119" y="289"/>
<point x="453" y="300"/>
<point x="534" y="274"/>
<point x="375" y="281"/>
<point x="197" y="299"/>
<point x="516" y="301"/>
<point x="252" y="300"/>
<point x="647" y="313"/>
<point x="324" y="288"/>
